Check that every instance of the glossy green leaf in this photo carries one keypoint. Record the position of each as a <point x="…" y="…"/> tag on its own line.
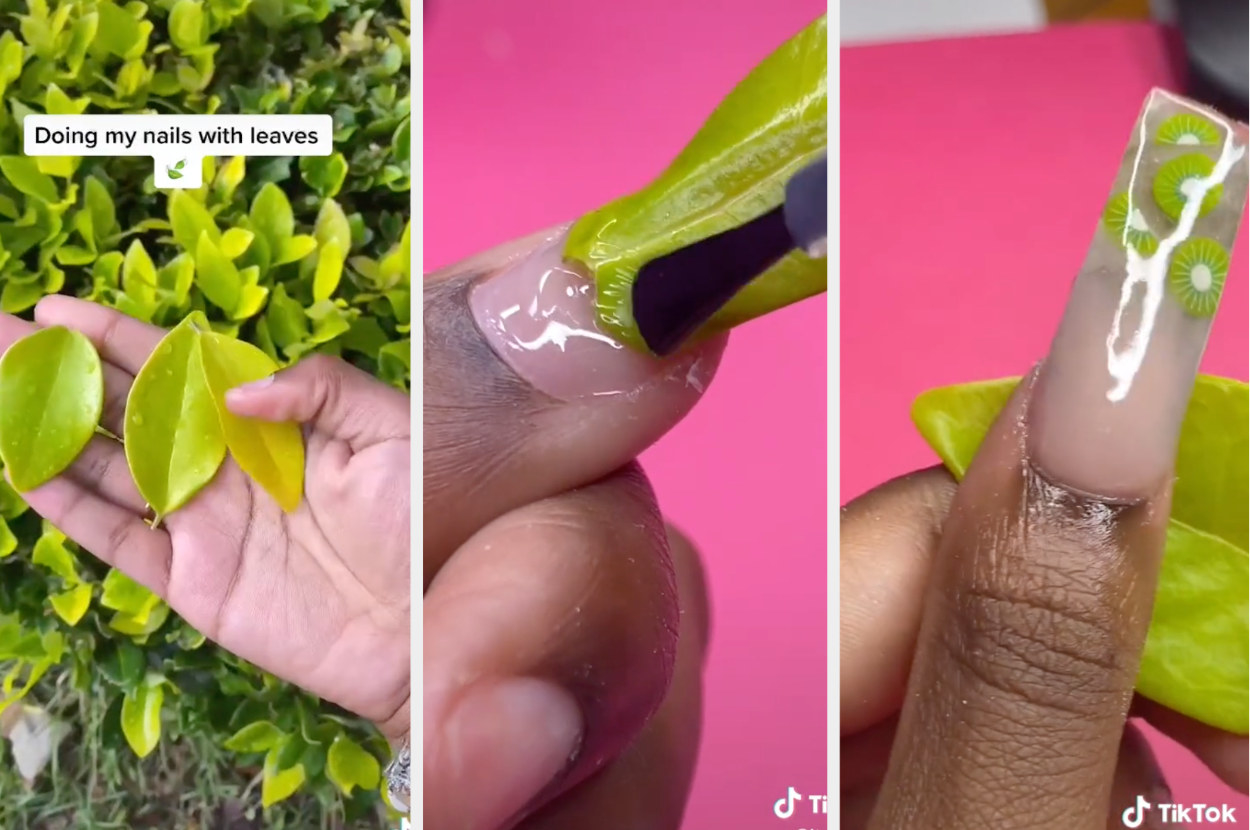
<point x="271" y="216"/>
<point x="121" y="593"/>
<point x="122" y="664"/>
<point x="294" y="249"/>
<point x="50" y="552"/>
<point x="141" y="716"/>
<point x="139" y="275"/>
<point x="735" y="169"/>
<point x="332" y="226"/>
<point x="277" y="783"/>
<point x="349" y="766"/>
<point x="260" y="736"/>
<point x="8" y="542"/>
<point x="1196" y="657"/>
<point x="329" y="270"/>
<point x="272" y="454"/>
<point x="188" y="28"/>
<point x="173" y="438"/>
<point x="140" y="628"/>
<point x="324" y="174"/>
<point x="51" y="397"/>
<point x="216" y="275"/>
<point x="71" y="605"/>
<point x="23" y="173"/>
<point x="189" y="219"/>
<point x="235" y="241"/>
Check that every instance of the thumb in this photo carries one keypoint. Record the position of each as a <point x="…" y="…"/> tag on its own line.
<point x="525" y="395"/>
<point x="328" y="394"/>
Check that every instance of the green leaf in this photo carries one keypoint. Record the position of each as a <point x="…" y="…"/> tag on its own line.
<point x="329" y="270"/>
<point x="260" y="736"/>
<point x="119" y="33"/>
<point x="71" y="605"/>
<point x="272" y="454"/>
<point x="23" y="173"/>
<point x="229" y="177"/>
<point x="235" y="241"/>
<point x="74" y="255"/>
<point x="62" y="167"/>
<point x="332" y="226"/>
<point x="1195" y="660"/>
<point x="50" y="552"/>
<point x="51" y="397"/>
<point x="735" y="169"/>
<point x="189" y="220"/>
<point x="17" y="297"/>
<point x="216" y="275"/>
<point x="294" y="249"/>
<point x="285" y="317"/>
<point x="278" y="784"/>
<point x="349" y="766"/>
<point x="173" y="439"/>
<point x="122" y="664"/>
<point x="123" y="594"/>
<point x="100" y="207"/>
<point x="141" y="716"/>
<point x="139" y="274"/>
<point x="271" y="216"/>
<point x="140" y="628"/>
<point x="324" y="174"/>
<point x="8" y="542"/>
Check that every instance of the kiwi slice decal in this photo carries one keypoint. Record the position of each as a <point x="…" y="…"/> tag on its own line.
<point x="1196" y="275"/>
<point x="1124" y="227"/>
<point x="1187" y="128"/>
<point x="1181" y="176"/>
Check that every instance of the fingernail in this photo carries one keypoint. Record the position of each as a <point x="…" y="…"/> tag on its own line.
<point x="510" y="740"/>
<point x="1106" y="412"/>
<point x="248" y="388"/>
<point x="538" y="314"/>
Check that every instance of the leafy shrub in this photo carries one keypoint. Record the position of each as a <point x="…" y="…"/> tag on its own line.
<point x="162" y="729"/>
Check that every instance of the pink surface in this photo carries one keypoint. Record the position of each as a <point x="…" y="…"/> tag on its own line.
<point x="535" y="113"/>
<point x="973" y="176"/>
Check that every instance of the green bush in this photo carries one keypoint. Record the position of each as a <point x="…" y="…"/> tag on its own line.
<point x="162" y="729"/>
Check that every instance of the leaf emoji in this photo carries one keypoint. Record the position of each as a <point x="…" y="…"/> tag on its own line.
<point x="51" y="396"/>
<point x="173" y="437"/>
<point x="272" y="454"/>
<point x="174" y="174"/>
<point x="180" y="164"/>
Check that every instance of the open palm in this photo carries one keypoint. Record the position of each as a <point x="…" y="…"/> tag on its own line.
<point x="320" y="596"/>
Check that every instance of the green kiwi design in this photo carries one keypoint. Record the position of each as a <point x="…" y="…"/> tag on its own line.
<point x="1188" y="129"/>
<point x="1116" y="220"/>
<point x="1196" y="275"/>
<point x="1172" y="181"/>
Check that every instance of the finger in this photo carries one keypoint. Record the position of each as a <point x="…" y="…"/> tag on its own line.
<point x="121" y="340"/>
<point x="525" y="397"/>
<point x="112" y="533"/>
<point x="116" y="381"/>
<point x="330" y="394"/>
<point x="549" y="643"/>
<point x="1137" y="774"/>
<point x="648" y="785"/>
<point x="887" y="538"/>
<point x="1225" y="754"/>
<point x="1042" y="586"/>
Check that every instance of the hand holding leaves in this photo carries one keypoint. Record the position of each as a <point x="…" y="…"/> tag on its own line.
<point x="318" y="596"/>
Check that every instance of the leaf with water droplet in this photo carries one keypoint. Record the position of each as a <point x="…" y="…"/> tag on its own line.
<point x="271" y="453"/>
<point x="51" y="396"/>
<point x="174" y="443"/>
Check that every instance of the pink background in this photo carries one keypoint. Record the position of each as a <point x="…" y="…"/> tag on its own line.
<point x="973" y="176"/>
<point x="537" y="112"/>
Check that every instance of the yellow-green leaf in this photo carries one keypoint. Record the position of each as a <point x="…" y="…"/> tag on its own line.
<point x="139" y="274"/>
<point x="140" y="629"/>
<point x="260" y="736"/>
<point x="187" y="25"/>
<point x="23" y="173"/>
<point x="50" y="552"/>
<point x="216" y="275"/>
<point x="294" y="248"/>
<point x="332" y="226"/>
<point x="1196" y="655"/>
<point x="141" y="716"/>
<point x="8" y="542"/>
<point x="71" y="605"/>
<point x="329" y="270"/>
<point x="235" y="241"/>
<point x="229" y="176"/>
<point x="62" y="167"/>
<point x="271" y="453"/>
<point x="349" y="766"/>
<point x="51" y="397"/>
<point x="123" y="594"/>
<point x="735" y="169"/>
<point x="279" y="784"/>
<point x="173" y="437"/>
<point x="271" y="216"/>
<point x="189" y="219"/>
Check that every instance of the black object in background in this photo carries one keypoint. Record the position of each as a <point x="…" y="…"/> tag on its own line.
<point x="1217" y="45"/>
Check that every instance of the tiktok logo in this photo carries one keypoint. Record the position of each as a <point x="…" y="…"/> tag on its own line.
<point x="784" y="808"/>
<point x="1135" y="815"/>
